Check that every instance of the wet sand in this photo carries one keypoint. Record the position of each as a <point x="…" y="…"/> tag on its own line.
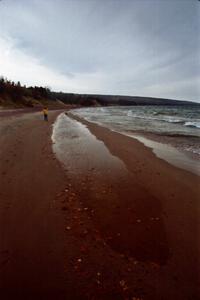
<point x="108" y="220"/>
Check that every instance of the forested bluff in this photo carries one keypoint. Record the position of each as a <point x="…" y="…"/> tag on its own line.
<point x="16" y="95"/>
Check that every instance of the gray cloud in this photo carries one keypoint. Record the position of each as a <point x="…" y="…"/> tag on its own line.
<point x="147" y="47"/>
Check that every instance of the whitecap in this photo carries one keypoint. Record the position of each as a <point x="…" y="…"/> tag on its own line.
<point x="192" y="124"/>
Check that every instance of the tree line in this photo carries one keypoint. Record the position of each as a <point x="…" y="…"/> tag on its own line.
<point x="16" y="92"/>
<point x="30" y="96"/>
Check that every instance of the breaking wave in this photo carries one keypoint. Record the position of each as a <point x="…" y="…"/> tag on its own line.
<point x="192" y="124"/>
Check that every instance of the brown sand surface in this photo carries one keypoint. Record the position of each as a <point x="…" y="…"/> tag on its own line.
<point x="31" y="225"/>
<point x="124" y="229"/>
<point x="149" y="214"/>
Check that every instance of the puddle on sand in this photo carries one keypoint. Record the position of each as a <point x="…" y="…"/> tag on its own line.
<point x="79" y="150"/>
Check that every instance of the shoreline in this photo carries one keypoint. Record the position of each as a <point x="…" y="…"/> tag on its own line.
<point x="163" y="149"/>
<point x="168" y="140"/>
<point x="187" y="144"/>
<point x="169" y="153"/>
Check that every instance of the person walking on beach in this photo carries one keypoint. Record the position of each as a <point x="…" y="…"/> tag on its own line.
<point x="45" y="113"/>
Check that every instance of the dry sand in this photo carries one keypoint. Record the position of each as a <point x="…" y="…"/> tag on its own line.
<point x="124" y="232"/>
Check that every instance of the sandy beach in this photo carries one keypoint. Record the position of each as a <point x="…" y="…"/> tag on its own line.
<point x="102" y="219"/>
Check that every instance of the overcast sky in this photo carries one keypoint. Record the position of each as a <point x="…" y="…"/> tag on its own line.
<point x="129" y="47"/>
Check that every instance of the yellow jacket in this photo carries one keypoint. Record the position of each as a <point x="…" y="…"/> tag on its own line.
<point x="45" y="111"/>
